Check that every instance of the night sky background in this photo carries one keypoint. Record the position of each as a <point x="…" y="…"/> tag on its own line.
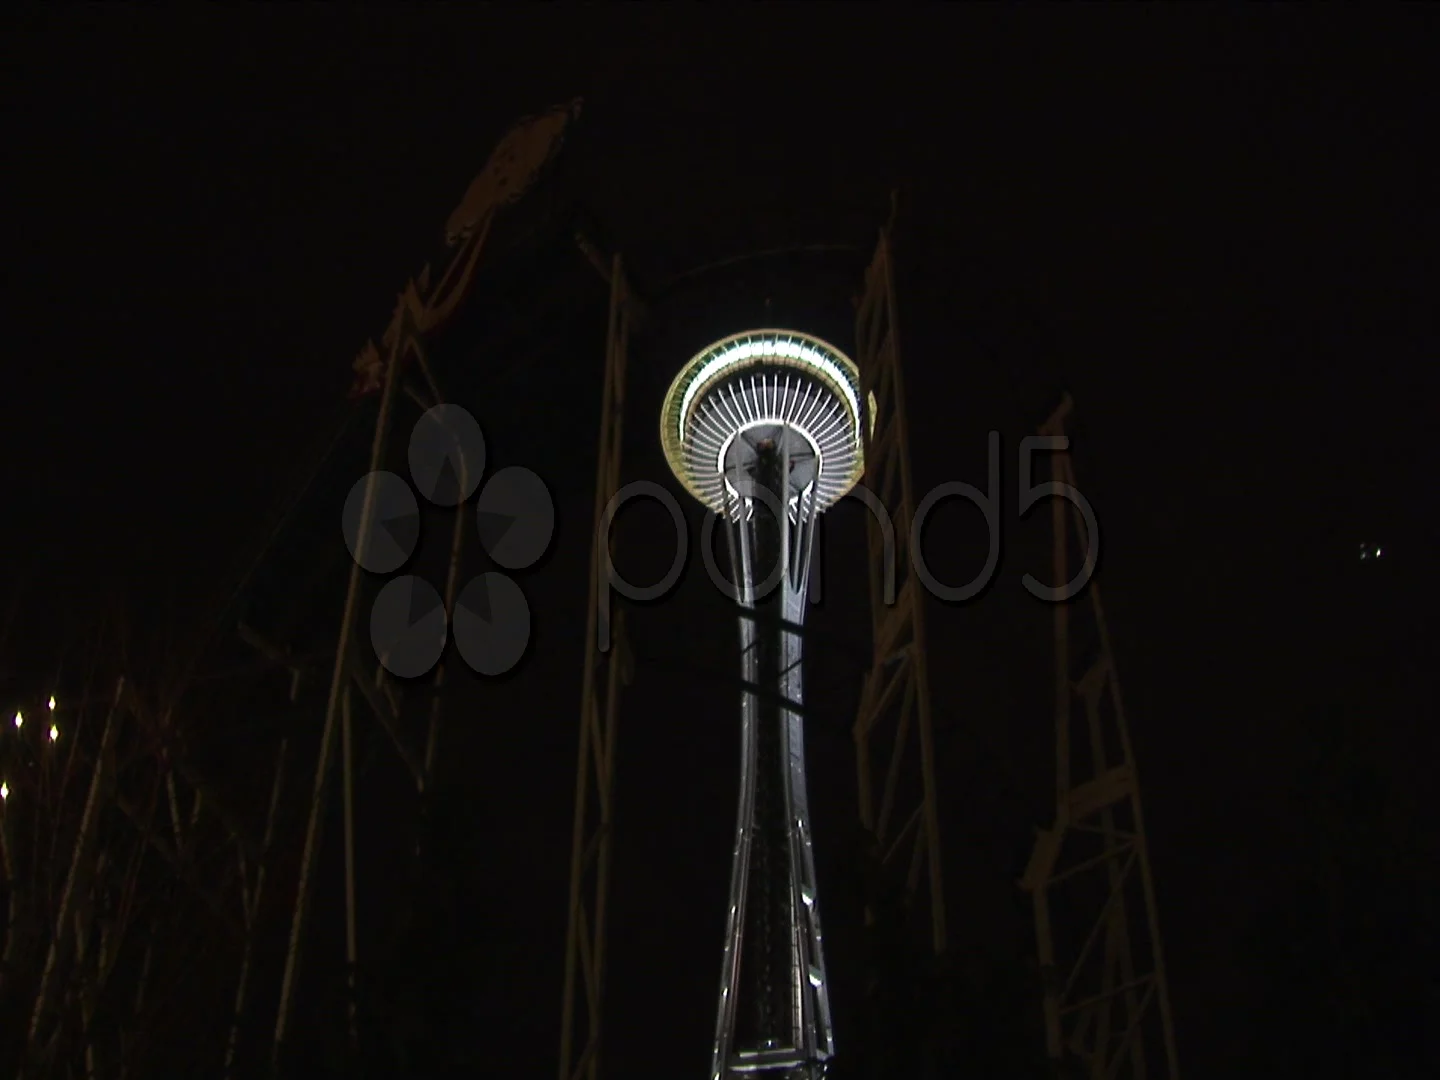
<point x="1215" y="228"/>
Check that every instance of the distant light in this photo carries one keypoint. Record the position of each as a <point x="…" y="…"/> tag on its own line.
<point x="4" y="791"/>
<point x="19" y="721"/>
<point x="54" y="733"/>
<point x="52" y="702"/>
<point x="1378" y="553"/>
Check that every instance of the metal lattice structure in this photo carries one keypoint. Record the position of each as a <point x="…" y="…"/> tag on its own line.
<point x="131" y="875"/>
<point x="1106" y="1004"/>
<point x="142" y="893"/>
<point x="894" y="733"/>
<point x="351" y="672"/>
<point x="422" y="309"/>
<point x="606" y="670"/>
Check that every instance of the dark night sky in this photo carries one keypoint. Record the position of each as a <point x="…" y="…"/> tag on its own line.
<point x="1218" y="231"/>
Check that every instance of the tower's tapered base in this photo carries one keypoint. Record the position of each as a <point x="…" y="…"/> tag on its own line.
<point x="774" y="1011"/>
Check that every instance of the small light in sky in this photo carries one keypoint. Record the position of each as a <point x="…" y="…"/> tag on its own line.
<point x="52" y="702"/>
<point x="54" y="733"/>
<point x="19" y="720"/>
<point x="4" y="790"/>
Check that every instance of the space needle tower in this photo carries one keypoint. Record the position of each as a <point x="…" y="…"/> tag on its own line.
<point x="764" y="428"/>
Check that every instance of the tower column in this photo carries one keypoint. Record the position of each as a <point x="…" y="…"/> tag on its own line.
<point x="774" y="1014"/>
<point x="764" y="429"/>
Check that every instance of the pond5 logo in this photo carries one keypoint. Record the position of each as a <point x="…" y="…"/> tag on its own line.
<point x="515" y="517"/>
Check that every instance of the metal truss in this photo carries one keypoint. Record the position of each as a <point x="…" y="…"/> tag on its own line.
<point x="893" y="730"/>
<point x="134" y="888"/>
<point x="1106" y="1005"/>
<point x="353" y="675"/>
<point x="606" y="669"/>
<point x="421" y="309"/>
<point x="125" y="873"/>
